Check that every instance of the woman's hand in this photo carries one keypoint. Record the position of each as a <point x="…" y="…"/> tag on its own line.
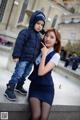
<point x="44" y="68"/>
<point x="44" y="50"/>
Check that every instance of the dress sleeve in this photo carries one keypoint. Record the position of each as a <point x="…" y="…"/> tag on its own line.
<point x="55" y="59"/>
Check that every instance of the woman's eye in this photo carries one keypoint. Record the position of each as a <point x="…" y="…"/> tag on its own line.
<point x="46" y="35"/>
<point x="52" y="37"/>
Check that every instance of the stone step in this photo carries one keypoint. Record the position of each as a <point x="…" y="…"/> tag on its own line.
<point x="5" y="48"/>
<point x="67" y="72"/>
<point x="18" y="111"/>
<point x="15" y="111"/>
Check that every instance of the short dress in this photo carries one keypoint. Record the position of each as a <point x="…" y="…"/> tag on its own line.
<point x="42" y="87"/>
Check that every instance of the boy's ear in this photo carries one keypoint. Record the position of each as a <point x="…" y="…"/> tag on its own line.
<point x="42" y="31"/>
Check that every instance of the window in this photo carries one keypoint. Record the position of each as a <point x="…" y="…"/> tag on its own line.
<point x="23" y="10"/>
<point x="54" y="20"/>
<point x="2" y="8"/>
<point x="0" y="2"/>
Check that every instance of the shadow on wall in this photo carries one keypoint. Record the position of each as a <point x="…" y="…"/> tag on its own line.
<point x="5" y="42"/>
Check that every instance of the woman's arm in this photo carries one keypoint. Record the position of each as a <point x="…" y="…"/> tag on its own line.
<point x="43" y="69"/>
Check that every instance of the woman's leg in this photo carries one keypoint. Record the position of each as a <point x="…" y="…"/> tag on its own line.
<point x="35" y="108"/>
<point x="45" y="109"/>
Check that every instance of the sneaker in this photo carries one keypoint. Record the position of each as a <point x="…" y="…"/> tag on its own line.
<point x="21" y="90"/>
<point x="10" y="95"/>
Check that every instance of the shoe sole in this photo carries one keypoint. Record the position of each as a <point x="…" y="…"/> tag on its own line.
<point x="9" y="98"/>
<point x="20" y="92"/>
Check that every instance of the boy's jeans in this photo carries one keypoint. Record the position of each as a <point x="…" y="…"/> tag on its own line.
<point x="22" y="70"/>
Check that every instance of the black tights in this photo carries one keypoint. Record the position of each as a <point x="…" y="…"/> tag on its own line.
<point x="40" y="110"/>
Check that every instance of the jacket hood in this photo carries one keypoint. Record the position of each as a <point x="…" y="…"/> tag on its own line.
<point x="36" y="16"/>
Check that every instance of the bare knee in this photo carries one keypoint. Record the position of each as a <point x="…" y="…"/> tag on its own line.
<point x="36" y="117"/>
<point x="44" y="117"/>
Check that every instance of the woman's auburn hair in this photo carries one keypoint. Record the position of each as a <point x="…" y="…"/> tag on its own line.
<point x="57" y="46"/>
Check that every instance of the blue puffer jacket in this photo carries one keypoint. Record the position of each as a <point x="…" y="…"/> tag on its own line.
<point x="27" y="44"/>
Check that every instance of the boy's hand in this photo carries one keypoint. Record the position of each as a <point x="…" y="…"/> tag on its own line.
<point x="16" y="60"/>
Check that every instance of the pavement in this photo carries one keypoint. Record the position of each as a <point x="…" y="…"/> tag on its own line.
<point x="67" y="91"/>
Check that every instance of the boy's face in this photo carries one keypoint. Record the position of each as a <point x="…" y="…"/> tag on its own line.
<point x="39" y="25"/>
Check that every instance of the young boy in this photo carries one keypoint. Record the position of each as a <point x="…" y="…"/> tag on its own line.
<point x="24" y="54"/>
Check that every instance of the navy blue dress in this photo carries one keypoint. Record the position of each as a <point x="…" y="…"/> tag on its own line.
<point x="42" y="87"/>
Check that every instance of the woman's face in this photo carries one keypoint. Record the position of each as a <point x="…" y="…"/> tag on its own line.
<point x="50" y="39"/>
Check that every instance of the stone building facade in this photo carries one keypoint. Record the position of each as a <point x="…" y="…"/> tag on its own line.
<point x="15" y="15"/>
<point x="70" y="28"/>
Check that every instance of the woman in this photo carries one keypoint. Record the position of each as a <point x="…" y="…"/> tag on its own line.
<point x="41" y="91"/>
